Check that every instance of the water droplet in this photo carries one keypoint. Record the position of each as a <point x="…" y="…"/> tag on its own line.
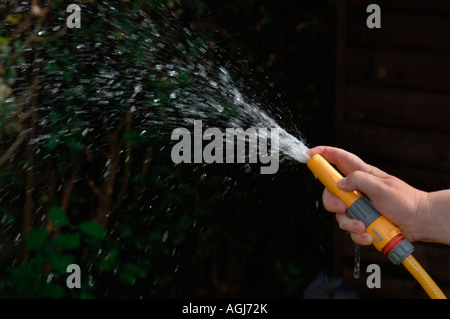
<point x="90" y="281"/>
<point x="49" y="277"/>
<point x="165" y="236"/>
<point x="356" y="269"/>
<point x="17" y="238"/>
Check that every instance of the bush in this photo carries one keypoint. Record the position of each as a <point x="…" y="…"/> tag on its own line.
<point x="86" y="175"/>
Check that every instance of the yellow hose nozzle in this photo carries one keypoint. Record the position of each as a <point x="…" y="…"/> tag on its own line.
<point x="329" y="177"/>
<point x="387" y="238"/>
<point x="359" y="207"/>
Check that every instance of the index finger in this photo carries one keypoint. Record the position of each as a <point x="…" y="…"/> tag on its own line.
<point x="345" y="161"/>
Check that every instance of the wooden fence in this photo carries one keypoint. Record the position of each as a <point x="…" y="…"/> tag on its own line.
<point x="393" y="110"/>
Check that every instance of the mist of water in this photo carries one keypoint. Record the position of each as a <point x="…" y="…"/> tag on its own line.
<point x="217" y="97"/>
<point x="135" y="80"/>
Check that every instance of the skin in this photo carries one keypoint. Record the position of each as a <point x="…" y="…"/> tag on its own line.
<point x="421" y="216"/>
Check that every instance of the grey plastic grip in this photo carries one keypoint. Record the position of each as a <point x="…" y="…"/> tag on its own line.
<point x="401" y="251"/>
<point x="363" y="210"/>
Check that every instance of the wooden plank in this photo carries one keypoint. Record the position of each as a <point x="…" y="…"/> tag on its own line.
<point x="400" y="146"/>
<point x="341" y="61"/>
<point x="397" y="107"/>
<point x="392" y="109"/>
<point x="428" y="180"/>
<point x="435" y="6"/>
<point x="418" y="31"/>
<point x="399" y="69"/>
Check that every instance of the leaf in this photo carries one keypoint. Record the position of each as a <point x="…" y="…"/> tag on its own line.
<point x="74" y="145"/>
<point x="22" y="276"/>
<point x="86" y="295"/>
<point x="67" y="76"/>
<point x="14" y="18"/>
<point x="54" y="290"/>
<point x="58" y="216"/>
<point x="68" y="241"/>
<point x="36" y="239"/>
<point x="109" y="262"/>
<point x="52" y="142"/>
<point x="93" y="229"/>
<point x="61" y="261"/>
<point x="127" y="278"/>
<point x="6" y="217"/>
<point x="178" y="238"/>
<point x="4" y="41"/>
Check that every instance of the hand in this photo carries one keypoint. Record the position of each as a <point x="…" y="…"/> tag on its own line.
<point x="393" y="198"/>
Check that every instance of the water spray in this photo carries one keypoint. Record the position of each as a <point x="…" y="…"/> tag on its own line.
<point x="387" y="238"/>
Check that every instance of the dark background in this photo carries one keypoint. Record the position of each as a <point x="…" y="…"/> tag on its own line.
<point x="392" y="109"/>
<point x="113" y="202"/>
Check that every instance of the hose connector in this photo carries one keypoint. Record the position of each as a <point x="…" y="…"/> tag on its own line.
<point x="386" y="236"/>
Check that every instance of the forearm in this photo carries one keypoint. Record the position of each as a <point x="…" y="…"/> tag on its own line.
<point x="435" y="227"/>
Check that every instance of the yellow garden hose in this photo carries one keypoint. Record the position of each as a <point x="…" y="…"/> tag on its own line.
<point x="387" y="238"/>
<point x="422" y="277"/>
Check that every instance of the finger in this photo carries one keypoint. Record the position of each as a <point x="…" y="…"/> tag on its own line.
<point x="367" y="183"/>
<point x="363" y="239"/>
<point x="356" y="229"/>
<point x="345" y="161"/>
<point x="349" y="224"/>
<point x="332" y="203"/>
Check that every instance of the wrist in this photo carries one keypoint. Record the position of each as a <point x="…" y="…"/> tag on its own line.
<point x="431" y="225"/>
<point x="423" y="225"/>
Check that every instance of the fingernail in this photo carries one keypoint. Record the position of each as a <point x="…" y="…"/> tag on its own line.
<point x="367" y="239"/>
<point x="341" y="183"/>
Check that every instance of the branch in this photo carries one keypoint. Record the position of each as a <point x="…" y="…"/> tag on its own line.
<point x="92" y="185"/>
<point x="126" y="175"/>
<point x="28" y="213"/>
<point x="19" y="140"/>
<point x="147" y="160"/>
<point x="107" y="189"/>
<point x="68" y="187"/>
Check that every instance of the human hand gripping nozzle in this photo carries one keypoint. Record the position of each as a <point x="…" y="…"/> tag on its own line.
<point x="387" y="238"/>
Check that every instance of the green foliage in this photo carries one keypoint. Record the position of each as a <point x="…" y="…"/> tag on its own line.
<point x="92" y="229"/>
<point x="36" y="239"/>
<point x="58" y="216"/>
<point x="93" y="184"/>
